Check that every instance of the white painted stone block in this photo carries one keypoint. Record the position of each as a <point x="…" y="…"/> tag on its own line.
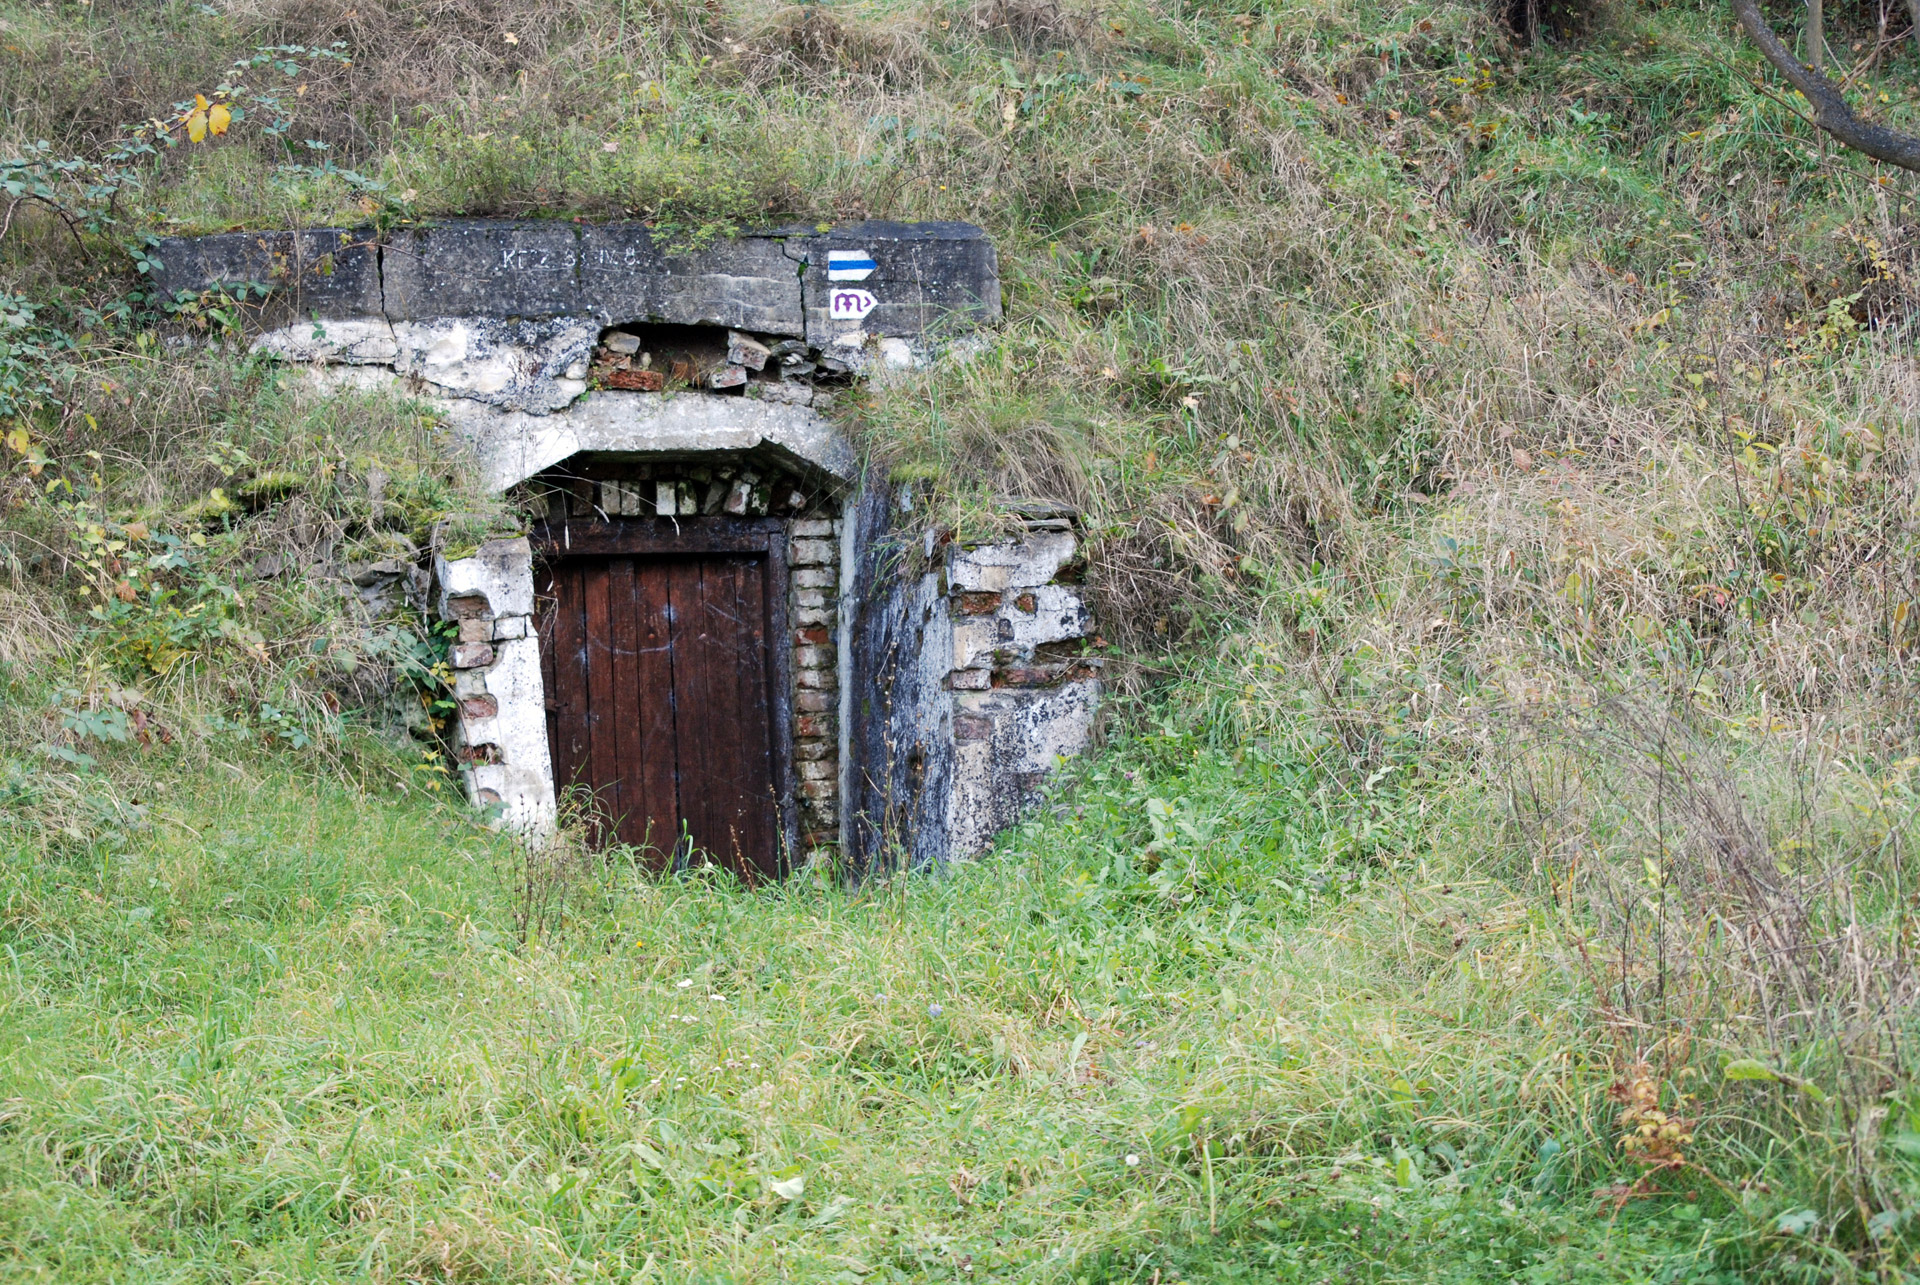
<point x="501" y="571"/>
<point x="523" y="778"/>
<point x="1058" y="615"/>
<point x="994" y="568"/>
<point x="974" y="638"/>
<point x="995" y="776"/>
<point x="367" y="341"/>
<point x="811" y="553"/>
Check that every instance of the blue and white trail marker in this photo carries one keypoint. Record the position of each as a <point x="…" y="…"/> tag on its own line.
<point x="850" y="265"/>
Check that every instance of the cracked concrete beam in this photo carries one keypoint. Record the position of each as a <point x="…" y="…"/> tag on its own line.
<point x="326" y="272"/>
<point x="928" y="279"/>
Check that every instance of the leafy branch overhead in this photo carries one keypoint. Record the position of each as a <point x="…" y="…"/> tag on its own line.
<point x="84" y="191"/>
<point x="1831" y="111"/>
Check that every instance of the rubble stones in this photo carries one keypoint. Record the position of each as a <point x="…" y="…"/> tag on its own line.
<point x="745" y="350"/>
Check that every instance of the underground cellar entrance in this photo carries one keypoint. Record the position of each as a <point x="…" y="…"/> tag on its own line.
<point x="683" y="610"/>
<point x="664" y="405"/>
<point x="667" y="717"/>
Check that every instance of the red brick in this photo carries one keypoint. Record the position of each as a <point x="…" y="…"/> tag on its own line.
<point x="972" y="727"/>
<point x="470" y="656"/>
<point x="635" y="381"/>
<point x="479" y="707"/>
<point x="813" y="725"/>
<point x="979" y="604"/>
<point x="819" y="789"/>
<point x="814" y="636"/>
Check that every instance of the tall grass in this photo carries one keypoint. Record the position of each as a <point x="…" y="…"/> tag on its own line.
<point x="1205" y="1015"/>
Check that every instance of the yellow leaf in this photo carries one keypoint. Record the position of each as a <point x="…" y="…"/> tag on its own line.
<point x="218" y="118"/>
<point x="200" y="101"/>
<point x="197" y="126"/>
<point x="19" y="441"/>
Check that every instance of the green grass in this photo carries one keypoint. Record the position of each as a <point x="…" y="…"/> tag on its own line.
<point x="300" y="1037"/>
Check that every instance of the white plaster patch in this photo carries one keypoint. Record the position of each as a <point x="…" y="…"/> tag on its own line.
<point x="511" y="764"/>
<point x="330" y="381"/>
<point x="536" y="366"/>
<point x="501" y="571"/>
<point x="994" y="568"/>
<point x="365" y="341"/>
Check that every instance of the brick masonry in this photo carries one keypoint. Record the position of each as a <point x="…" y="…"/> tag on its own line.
<point x="567" y="353"/>
<point x="813" y="550"/>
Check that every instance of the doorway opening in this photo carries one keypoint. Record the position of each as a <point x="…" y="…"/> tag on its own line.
<point x="664" y="649"/>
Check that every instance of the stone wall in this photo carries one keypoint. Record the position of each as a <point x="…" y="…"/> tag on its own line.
<point x="1024" y="686"/>
<point x="500" y="735"/>
<point x="898" y="734"/>
<point x="974" y="681"/>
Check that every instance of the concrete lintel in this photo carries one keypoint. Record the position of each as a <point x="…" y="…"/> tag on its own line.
<point x="513" y="446"/>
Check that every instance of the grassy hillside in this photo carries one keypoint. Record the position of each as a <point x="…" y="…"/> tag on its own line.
<point x="1501" y="464"/>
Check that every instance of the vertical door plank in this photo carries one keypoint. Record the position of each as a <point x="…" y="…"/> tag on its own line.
<point x="758" y="802"/>
<point x="727" y="743"/>
<point x="656" y="824"/>
<point x="568" y="647"/>
<point x="602" y="765"/>
<point x="625" y="803"/>
<point x="693" y="717"/>
<point x="546" y="610"/>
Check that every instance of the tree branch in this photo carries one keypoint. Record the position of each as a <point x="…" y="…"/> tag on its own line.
<point x="1830" y="110"/>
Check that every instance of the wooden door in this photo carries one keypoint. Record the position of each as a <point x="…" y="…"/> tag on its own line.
<point x="664" y="698"/>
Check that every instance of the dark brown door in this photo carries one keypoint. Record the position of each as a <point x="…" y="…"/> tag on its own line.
<point x="661" y="701"/>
